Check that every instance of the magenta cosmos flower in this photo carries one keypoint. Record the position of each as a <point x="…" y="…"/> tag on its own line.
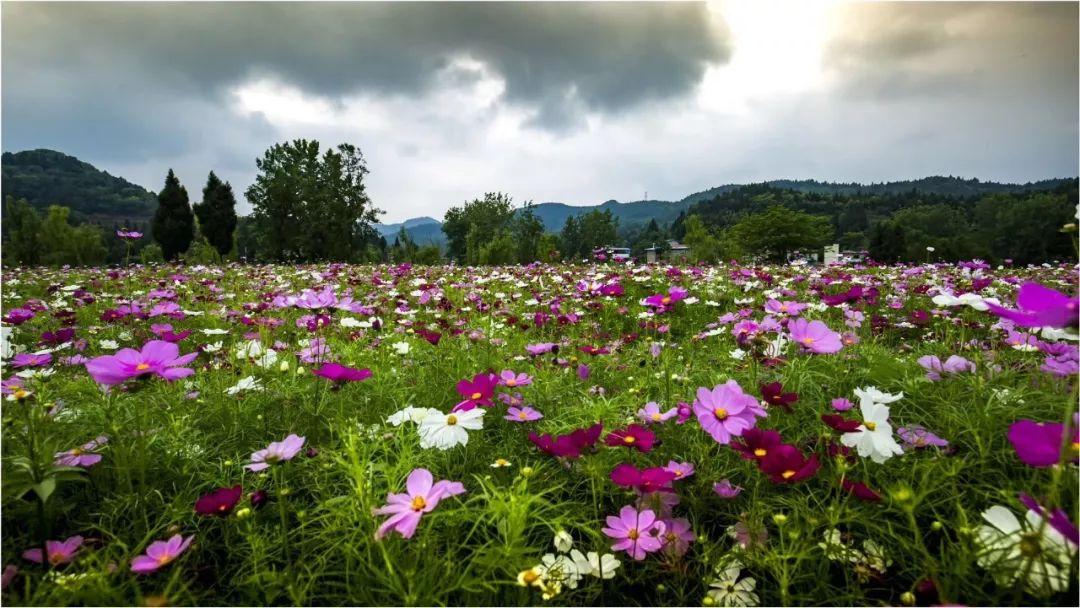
<point x="648" y="480"/>
<point x="161" y="553"/>
<point x="522" y="414"/>
<point x="477" y="391"/>
<point x="422" y="495"/>
<point x="336" y="372"/>
<point x="278" y="451"/>
<point x="31" y="360"/>
<point x="1039" y="444"/>
<point x="814" y="336"/>
<point x="83" y="456"/>
<point x="634" y="436"/>
<point x="663" y="302"/>
<point x="725" y="489"/>
<point x="636" y="532"/>
<point x="219" y="502"/>
<point x="1040" y="306"/>
<point x="157" y="357"/>
<point x="59" y="552"/>
<point x="726" y="411"/>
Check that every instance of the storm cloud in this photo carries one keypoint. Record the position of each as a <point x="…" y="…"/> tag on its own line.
<point x="576" y="102"/>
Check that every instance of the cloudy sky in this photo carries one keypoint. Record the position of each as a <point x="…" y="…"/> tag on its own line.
<point x="577" y="103"/>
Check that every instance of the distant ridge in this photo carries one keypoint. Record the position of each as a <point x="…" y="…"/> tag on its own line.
<point x="47" y="177"/>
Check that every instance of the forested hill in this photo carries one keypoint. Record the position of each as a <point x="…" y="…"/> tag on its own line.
<point x="47" y="177"/>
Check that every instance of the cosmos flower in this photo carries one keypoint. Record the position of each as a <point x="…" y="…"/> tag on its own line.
<point x="725" y="489"/>
<point x="916" y="436"/>
<point x="444" y="431"/>
<point x="59" y="552"/>
<point x="477" y="392"/>
<point x="859" y="490"/>
<point x="160" y="553"/>
<point x="953" y="365"/>
<point x="522" y="414"/>
<point x="219" y="502"/>
<point x="157" y="357"/>
<point x="337" y="373"/>
<point x="634" y="436"/>
<point x="754" y="444"/>
<point x="31" y="360"/>
<point x="682" y="470"/>
<point x="1039" y="444"/>
<point x="726" y="411"/>
<point x="570" y="445"/>
<point x="1039" y="306"/>
<point x="874" y="437"/>
<point x="422" y="494"/>
<point x="1010" y="549"/>
<point x="84" y="456"/>
<point x="786" y="464"/>
<point x="814" y="336"/>
<point x="773" y="394"/>
<point x="512" y="379"/>
<point x="677" y="536"/>
<point x="652" y="479"/>
<point x="277" y="451"/>
<point x="663" y="302"/>
<point x="651" y="414"/>
<point x="636" y="532"/>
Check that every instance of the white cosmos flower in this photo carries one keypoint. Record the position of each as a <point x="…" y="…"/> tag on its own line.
<point x="108" y="345"/>
<point x="249" y="383"/>
<point x="874" y="438"/>
<point x="411" y="414"/>
<point x="402" y="348"/>
<point x="563" y="541"/>
<point x="1008" y="548"/>
<point x="212" y="348"/>
<point x="214" y="332"/>
<point x="444" y="431"/>
<point x="728" y="590"/>
<point x="560" y="569"/>
<point x="873" y="395"/>
<point x="592" y="564"/>
<point x="738" y="354"/>
<point x="350" y="322"/>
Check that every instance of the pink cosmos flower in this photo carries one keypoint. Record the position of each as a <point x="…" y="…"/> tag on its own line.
<point x="814" y="336"/>
<point x="540" y="349"/>
<point x="157" y="357"/>
<point x="511" y="379"/>
<point x="662" y="302"/>
<point x="1040" y="306"/>
<point x="81" y="456"/>
<point x="31" y="360"/>
<point x="682" y="470"/>
<point x="685" y="412"/>
<point x="522" y="414"/>
<point x="651" y="413"/>
<point x="916" y="436"/>
<point x="336" y="372"/>
<point x="161" y="553"/>
<point x="1058" y="519"/>
<point x="422" y="495"/>
<point x="636" y="532"/>
<point x="726" y="411"/>
<point x="955" y="364"/>
<point x="477" y="391"/>
<point x="841" y="404"/>
<point x="792" y="309"/>
<point x="277" y="451"/>
<point x="58" y="552"/>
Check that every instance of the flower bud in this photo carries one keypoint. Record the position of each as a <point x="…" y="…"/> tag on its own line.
<point x="243" y="513"/>
<point x="907" y="598"/>
<point x="779" y="519"/>
<point x="936" y="525"/>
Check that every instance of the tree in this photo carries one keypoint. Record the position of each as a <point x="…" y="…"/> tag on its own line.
<point x="217" y="214"/>
<point x="526" y="228"/>
<point x="779" y="231"/>
<point x="704" y="247"/>
<point x="583" y="234"/>
<point x="489" y="216"/>
<point x="174" y="224"/>
<point x="307" y="207"/>
<point x="63" y="243"/>
<point x="887" y="242"/>
<point x="403" y="249"/>
<point x="22" y="244"/>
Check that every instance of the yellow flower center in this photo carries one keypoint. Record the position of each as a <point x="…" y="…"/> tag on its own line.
<point x="418" y="503"/>
<point x="76" y="451"/>
<point x="720" y="413"/>
<point x="142" y="367"/>
<point x="522" y="416"/>
<point x="656" y="416"/>
<point x="56" y="558"/>
<point x="869" y="425"/>
<point x="808" y="340"/>
<point x="511" y="383"/>
<point x="633" y="534"/>
<point x="629" y="439"/>
<point x="451" y="420"/>
<point x="678" y="473"/>
<point x="530" y="576"/>
<point x="164" y="559"/>
<point x="476" y="396"/>
<point x="20" y="394"/>
<point x="760" y="452"/>
<point x="502" y="462"/>
<point x="666" y="300"/>
<point x="783" y="308"/>
<point x="788" y="474"/>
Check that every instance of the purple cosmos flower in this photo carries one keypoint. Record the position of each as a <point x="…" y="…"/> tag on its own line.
<point x="510" y="379"/>
<point x="477" y="391"/>
<point x="842" y="405"/>
<point x="682" y="470"/>
<point x="161" y="553"/>
<point x="128" y="235"/>
<point x="522" y="414"/>
<point x="636" y="532"/>
<point x="1061" y="367"/>
<point x="726" y="411"/>
<point x="651" y="413"/>
<point x="277" y="451"/>
<point x="677" y="536"/>
<point x="219" y="502"/>
<point x="1059" y="520"/>
<point x="83" y="456"/>
<point x="315" y="351"/>
<point x="1040" y="306"/>
<point x="157" y="357"/>
<point x="663" y="302"/>
<point x="955" y="364"/>
<point x="540" y="349"/>
<point x="814" y="336"/>
<point x="653" y="479"/>
<point x="685" y="412"/>
<point x="59" y="552"/>
<point x="634" y="436"/>
<point x="583" y="371"/>
<point x="336" y="372"/>
<point x="31" y="360"/>
<point x="916" y="437"/>
<point x="725" y="489"/>
<point x="777" y="307"/>
<point x="422" y="495"/>
<point x="1039" y="444"/>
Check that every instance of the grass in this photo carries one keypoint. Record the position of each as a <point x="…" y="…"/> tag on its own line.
<point x="313" y="542"/>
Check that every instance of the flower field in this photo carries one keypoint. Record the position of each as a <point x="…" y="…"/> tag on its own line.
<point x="573" y="435"/>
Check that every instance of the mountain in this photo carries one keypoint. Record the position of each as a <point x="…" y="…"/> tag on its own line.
<point x="637" y="212"/>
<point x="47" y="177"/>
<point x="422" y="230"/>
